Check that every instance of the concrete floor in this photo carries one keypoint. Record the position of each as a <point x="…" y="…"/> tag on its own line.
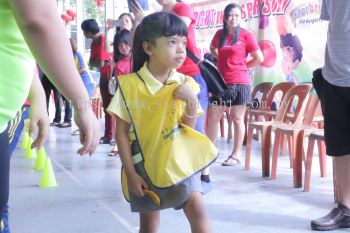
<point x="89" y="198"/>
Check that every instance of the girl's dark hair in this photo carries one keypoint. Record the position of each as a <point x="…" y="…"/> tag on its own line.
<point x="90" y="25"/>
<point x="152" y="27"/>
<point x="121" y="16"/>
<point x="224" y="33"/>
<point x="122" y="36"/>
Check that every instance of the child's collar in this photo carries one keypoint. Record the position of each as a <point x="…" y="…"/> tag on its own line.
<point x="153" y="84"/>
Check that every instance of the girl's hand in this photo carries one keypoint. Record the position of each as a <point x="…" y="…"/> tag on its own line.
<point x="89" y="129"/>
<point x="38" y="119"/>
<point x="136" y="184"/>
<point x="185" y="93"/>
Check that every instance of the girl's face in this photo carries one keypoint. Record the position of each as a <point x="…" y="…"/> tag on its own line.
<point x="124" y="49"/>
<point x="127" y="22"/>
<point x="234" y="18"/>
<point x="169" y="52"/>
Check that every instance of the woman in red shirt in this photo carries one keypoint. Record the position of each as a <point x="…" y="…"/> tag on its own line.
<point x="231" y="45"/>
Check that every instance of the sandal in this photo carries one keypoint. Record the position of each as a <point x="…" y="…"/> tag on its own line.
<point x="231" y="161"/>
<point x="105" y="140"/>
<point x="113" y="153"/>
<point x="75" y="132"/>
<point x="65" y="125"/>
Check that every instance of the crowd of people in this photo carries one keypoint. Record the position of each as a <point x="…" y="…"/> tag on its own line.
<point x="155" y="100"/>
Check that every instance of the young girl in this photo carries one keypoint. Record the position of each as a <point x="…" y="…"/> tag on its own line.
<point x="156" y="109"/>
<point x="185" y="12"/>
<point x="122" y="59"/>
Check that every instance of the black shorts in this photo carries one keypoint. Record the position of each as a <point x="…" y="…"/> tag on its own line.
<point x="237" y="94"/>
<point x="335" y="102"/>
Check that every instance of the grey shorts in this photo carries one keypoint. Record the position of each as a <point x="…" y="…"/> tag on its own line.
<point x="173" y="197"/>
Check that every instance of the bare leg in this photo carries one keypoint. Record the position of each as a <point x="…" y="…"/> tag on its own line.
<point x="342" y="176"/>
<point x="237" y="116"/>
<point x="149" y="222"/>
<point x="197" y="215"/>
<point x="215" y="113"/>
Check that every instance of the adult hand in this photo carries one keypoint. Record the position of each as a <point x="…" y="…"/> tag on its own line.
<point x="38" y="119"/>
<point x="136" y="9"/>
<point x="89" y="129"/>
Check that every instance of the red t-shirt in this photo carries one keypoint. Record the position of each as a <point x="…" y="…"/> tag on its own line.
<point x="97" y="52"/>
<point x="123" y="66"/>
<point x="188" y="67"/>
<point x="232" y="58"/>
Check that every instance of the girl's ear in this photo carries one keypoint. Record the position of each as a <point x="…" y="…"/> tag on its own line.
<point x="148" y="48"/>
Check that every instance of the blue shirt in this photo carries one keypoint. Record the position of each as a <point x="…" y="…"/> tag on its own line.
<point x="79" y="62"/>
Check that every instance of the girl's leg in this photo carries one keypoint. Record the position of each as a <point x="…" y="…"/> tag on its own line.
<point x="149" y="222"/>
<point x="4" y="171"/>
<point x="237" y="117"/>
<point x="196" y="214"/>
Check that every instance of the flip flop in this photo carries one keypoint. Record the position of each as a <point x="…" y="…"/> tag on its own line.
<point x="113" y="153"/>
<point x="231" y="161"/>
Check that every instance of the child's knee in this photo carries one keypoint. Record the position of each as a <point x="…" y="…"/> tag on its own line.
<point x="195" y="206"/>
<point x="149" y="223"/>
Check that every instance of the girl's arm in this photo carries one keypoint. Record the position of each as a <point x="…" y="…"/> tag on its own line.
<point x="136" y="183"/>
<point x="46" y="37"/>
<point x="214" y="51"/>
<point x="185" y="93"/>
<point x="108" y="37"/>
<point x="257" y="58"/>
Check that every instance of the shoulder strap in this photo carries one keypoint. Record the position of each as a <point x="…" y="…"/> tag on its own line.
<point x="129" y="113"/>
<point x="193" y="57"/>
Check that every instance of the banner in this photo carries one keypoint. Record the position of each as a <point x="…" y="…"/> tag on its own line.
<point x="289" y="32"/>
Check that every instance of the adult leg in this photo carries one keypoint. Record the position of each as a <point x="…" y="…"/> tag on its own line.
<point x="237" y="117"/>
<point x="200" y="124"/>
<point x="196" y="214"/>
<point x="58" y="102"/>
<point x="342" y="176"/>
<point x="109" y="119"/>
<point x="149" y="222"/>
<point x="215" y="112"/>
<point x="4" y="171"/>
<point x="47" y="85"/>
<point x="67" y="113"/>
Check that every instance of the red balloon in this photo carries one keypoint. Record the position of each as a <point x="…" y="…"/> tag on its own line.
<point x="65" y="17"/>
<point x="71" y="13"/>
<point x="268" y="49"/>
<point x="100" y="3"/>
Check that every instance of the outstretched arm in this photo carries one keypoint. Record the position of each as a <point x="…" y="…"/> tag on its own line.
<point x="46" y="37"/>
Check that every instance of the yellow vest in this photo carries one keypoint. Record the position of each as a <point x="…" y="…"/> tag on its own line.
<point x="171" y="151"/>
